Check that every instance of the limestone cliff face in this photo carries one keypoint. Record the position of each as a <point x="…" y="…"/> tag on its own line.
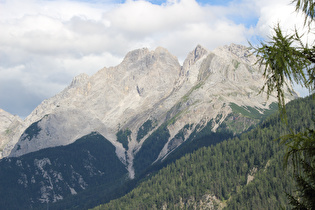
<point x="105" y="102"/>
<point x="148" y="86"/>
<point x="9" y="126"/>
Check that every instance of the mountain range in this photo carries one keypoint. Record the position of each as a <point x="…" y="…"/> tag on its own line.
<point x="113" y="126"/>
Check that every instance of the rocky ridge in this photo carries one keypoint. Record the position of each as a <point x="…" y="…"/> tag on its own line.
<point x="9" y="125"/>
<point x="148" y="86"/>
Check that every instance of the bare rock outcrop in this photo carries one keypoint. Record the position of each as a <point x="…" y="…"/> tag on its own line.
<point x="147" y="85"/>
<point x="9" y="128"/>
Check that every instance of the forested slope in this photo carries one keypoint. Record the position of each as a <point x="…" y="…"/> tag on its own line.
<point x="90" y="162"/>
<point x="245" y="172"/>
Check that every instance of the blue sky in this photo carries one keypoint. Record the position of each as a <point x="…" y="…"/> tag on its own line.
<point x="45" y="43"/>
<point x="160" y="2"/>
<point x="202" y="2"/>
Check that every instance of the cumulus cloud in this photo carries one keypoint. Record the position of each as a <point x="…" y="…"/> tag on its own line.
<point x="280" y="12"/>
<point x="44" y="44"/>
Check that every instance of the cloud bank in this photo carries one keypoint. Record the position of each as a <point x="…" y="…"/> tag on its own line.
<point x="45" y="43"/>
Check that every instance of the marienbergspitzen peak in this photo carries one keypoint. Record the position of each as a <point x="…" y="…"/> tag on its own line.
<point x="147" y="87"/>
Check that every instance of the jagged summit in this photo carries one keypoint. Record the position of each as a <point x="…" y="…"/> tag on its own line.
<point x="194" y="56"/>
<point x="237" y="51"/>
<point x="6" y="120"/>
<point x="8" y="128"/>
<point x="197" y="53"/>
<point x="79" y="80"/>
<point x="118" y="122"/>
<point x="147" y="88"/>
<point x="147" y="56"/>
<point x="136" y="55"/>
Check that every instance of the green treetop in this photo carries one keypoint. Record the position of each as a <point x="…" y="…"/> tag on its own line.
<point x="287" y="58"/>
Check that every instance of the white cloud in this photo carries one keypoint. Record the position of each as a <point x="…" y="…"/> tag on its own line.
<point x="280" y="12"/>
<point x="44" y="44"/>
<point x="144" y="18"/>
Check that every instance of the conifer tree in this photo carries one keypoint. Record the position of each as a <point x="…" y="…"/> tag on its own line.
<point x="289" y="58"/>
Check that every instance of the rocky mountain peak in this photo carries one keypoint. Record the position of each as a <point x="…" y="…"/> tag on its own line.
<point x="144" y="59"/>
<point x="161" y="50"/>
<point x="8" y="126"/>
<point x="79" y="80"/>
<point x="194" y="56"/>
<point x="135" y="55"/>
<point x="147" y="90"/>
<point x="236" y="51"/>
<point x="199" y="52"/>
<point x="239" y="50"/>
<point x="139" y="54"/>
<point x="141" y="110"/>
<point x="5" y="120"/>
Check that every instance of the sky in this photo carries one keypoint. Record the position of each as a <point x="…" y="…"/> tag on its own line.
<point x="44" y="44"/>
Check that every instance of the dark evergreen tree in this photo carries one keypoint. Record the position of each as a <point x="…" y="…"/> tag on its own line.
<point x="223" y="170"/>
<point x="288" y="58"/>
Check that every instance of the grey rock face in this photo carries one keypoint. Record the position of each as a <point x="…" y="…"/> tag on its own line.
<point x="147" y="85"/>
<point x="9" y="125"/>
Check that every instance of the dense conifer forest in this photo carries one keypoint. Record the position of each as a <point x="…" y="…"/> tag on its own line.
<point x="244" y="172"/>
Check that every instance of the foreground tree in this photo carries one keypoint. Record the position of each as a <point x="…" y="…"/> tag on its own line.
<point x="287" y="58"/>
